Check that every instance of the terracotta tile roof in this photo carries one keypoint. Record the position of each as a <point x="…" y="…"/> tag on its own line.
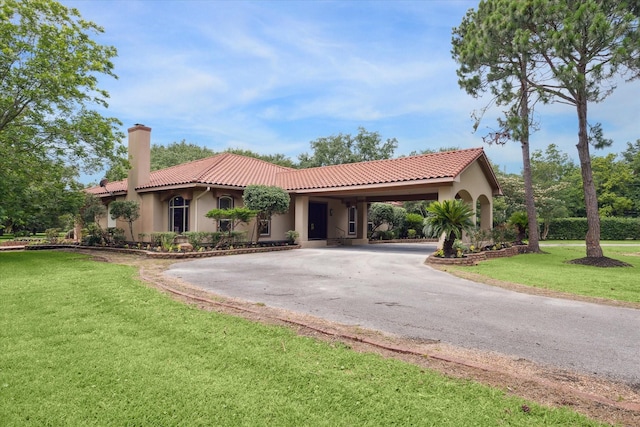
<point x="226" y="169"/>
<point x="111" y="187"/>
<point x="428" y="166"/>
<point x="233" y="170"/>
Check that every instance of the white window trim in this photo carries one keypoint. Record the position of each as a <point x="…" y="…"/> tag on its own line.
<point x="226" y="197"/>
<point x="185" y="213"/>
<point x="354" y="222"/>
<point x="267" y="231"/>
<point x="110" y="221"/>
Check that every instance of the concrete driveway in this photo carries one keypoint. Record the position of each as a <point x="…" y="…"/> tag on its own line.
<point x="388" y="288"/>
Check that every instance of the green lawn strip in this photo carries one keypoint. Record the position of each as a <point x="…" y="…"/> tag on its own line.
<point x="581" y="242"/>
<point x="84" y="343"/>
<point x="550" y="271"/>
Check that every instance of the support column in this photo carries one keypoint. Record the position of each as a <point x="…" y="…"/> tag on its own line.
<point x="361" y="224"/>
<point x="302" y="218"/>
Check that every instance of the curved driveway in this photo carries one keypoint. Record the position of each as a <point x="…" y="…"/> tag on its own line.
<point x="388" y="288"/>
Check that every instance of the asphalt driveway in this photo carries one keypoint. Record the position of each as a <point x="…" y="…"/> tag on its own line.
<point x="388" y="288"/>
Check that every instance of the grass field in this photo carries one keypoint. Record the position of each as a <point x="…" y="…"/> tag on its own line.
<point x="84" y="343"/>
<point x="550" y="271"/>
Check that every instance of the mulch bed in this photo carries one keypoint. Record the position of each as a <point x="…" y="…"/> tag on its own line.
<point x="603" y="262"/>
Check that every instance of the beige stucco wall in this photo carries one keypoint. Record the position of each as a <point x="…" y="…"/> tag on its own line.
<point x="280" y="224"/>
<point x="337" y="226"/>
<point x="472" y="185"/>
<point x="203" y="201"/>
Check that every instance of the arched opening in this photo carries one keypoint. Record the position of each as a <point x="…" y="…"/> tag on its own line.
<point x="483" y="213"/>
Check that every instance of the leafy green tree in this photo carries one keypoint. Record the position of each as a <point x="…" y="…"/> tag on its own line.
<point x="432" y="151"/>
<point x="50" y="98"/>
<point x="417" y="207"/>
<point x="451" y="218"/>
<point x="37" y="203"/>
<point x="550" y="205"/>
<point x="613" y="178"/>
<point x="557" y="178"/>
<point x="413" y="221"/>
<point x="177" y="153"/>
<point x="631" y="157"/>
<point x="584" y="46"/>
<point x="236" y="216"/>
<point x="493" y="47"/>
<point x="341" y="148"/>
<point x="399" y="220"/>
<point x="276" y="159"/>
<point x="92" y="210"/>
<point x="380" y="213"/>
<point x="513" y="199"/>
<point x="127" y="210"/>
<point x="266" y="201"/>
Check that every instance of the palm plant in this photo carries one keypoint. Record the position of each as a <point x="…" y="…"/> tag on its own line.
<point x="520" y="220"/>
<point x="451" y="218"/>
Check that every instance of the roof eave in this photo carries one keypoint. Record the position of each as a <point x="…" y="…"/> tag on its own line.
<point x="187" y="185"/>
<point x="443" y="180"/>
<point x="485" y="165"/>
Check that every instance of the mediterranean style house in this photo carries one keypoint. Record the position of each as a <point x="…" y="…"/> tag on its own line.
<point x="327" y="203"/>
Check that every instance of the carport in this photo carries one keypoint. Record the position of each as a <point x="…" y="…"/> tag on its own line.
<point x="331" y="203"/>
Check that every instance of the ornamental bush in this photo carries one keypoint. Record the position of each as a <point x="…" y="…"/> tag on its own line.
<point x="611" y="228"/>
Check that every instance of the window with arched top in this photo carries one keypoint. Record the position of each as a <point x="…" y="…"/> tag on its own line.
<point x="225" y="202"/>
<point x="178" y="215"/>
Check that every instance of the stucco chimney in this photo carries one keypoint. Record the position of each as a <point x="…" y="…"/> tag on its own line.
<point x="139" y="157"/>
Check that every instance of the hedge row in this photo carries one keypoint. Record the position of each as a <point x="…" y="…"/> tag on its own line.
<point x="610" y="229"/>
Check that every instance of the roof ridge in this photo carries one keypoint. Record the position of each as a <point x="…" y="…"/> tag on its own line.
<point x="258" y="160"/>
<point x="219" y="158"/>
<point x="480" y="149"/>
<point x="225" y="155"/>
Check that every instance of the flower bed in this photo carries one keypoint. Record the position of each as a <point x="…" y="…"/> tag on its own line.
<point x="169" y="255"/>
<point x="419" y="240"/>
<point x="476" y="257"/>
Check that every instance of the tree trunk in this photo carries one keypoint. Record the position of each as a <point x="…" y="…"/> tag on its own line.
<point x="545" y="231"/>
<point x="592" y="239"/>
<point x="534" y="239"/>
<point x="447" y="245"/>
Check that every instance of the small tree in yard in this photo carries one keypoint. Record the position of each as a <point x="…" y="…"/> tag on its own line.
<point x="380" y="213"/>
<point x="236" y="216"/>
<point x="266" y="201"/>
<point x="91" y="211"/>
<point x="520" y="220"/>
<point x="451" y="218"/>
<point x="413" y="221"/>
<point x="127" y="210"/>
<point x="399" y="220"/>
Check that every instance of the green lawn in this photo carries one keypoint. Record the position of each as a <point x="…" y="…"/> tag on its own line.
<point x="550" y="271"/>
<point x="84" y="343"/>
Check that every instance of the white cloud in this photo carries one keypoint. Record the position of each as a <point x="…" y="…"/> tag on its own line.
<point x="272" y="76"/>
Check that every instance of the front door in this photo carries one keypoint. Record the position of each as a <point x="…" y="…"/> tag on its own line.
<point x="317" y="221"/>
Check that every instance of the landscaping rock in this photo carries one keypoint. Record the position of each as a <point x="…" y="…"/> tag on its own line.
<point x="185" y="247"/>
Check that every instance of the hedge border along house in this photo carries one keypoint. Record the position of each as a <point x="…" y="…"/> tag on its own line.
<point x="328" y="204"/>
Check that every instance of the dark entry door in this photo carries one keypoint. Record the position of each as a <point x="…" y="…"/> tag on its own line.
<point x="317" y="220"/>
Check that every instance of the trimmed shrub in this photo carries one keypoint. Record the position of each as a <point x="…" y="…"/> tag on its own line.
<point x="163" y="239"/>
<point x="414" y="221"/>
<point x="611" y="228"/>
<point x="198" y="239"/>
<point x="52" y="235"/>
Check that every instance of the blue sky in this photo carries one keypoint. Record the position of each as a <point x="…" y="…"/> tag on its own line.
<point x="271" y="76"/>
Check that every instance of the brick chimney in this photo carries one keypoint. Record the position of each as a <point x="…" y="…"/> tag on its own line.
<point x="139" y="158"/>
